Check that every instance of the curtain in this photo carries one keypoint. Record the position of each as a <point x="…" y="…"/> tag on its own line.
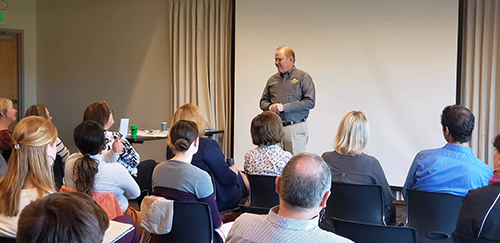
<point x="481" y="72"/>
<point x="200" y="48"/>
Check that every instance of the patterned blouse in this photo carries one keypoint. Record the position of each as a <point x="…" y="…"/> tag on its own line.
<point x="129" y="158"/>
<point x="266" y="160"/>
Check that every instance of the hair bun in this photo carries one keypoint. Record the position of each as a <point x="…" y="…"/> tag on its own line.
<point x="182" y="144"/>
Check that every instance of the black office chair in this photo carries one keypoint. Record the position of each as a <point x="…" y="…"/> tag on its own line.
<point x="58" y="171"/>
<point x="360" y="203"/>
<point x="3" y="166"/>
<point x="7" y="239"/>
<point x="253" y="209"/>
<point x="433" y="214"/>
<point x="192" y="222"/>
<point x="373" y="233"/>
<point x="263" y="191"/>
<point x="465" y="239"/>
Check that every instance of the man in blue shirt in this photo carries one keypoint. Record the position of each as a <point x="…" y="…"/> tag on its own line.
<point x="453" y="168"/>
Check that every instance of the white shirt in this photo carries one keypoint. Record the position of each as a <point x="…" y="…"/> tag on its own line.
<point x="8" y="224"/>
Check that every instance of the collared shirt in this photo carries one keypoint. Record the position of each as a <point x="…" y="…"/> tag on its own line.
<point x="451" y="169"/>
<point x="266" y="160"/>
<point x="274" y="228"/>
<point x="294" y="89"/>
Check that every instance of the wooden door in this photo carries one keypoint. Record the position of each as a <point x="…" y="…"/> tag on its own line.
<point x="9" y="68"/>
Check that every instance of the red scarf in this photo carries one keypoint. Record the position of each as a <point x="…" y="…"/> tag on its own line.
<point x="496" y="176"/>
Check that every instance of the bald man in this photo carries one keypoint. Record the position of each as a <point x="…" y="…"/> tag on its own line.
<point x="303" y="188"/>
<point x="290" y="93"/>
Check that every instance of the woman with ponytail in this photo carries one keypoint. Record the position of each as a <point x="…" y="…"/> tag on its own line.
<point x="89" y="171"/>
<point x="177" y="179"/>
<point x="28" y="175"/>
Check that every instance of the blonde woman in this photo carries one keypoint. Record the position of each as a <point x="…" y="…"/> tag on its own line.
<point x="7" y="116"/>
<point x="28" y="174"/>
<point x="349" y="164"/>
<point x="230" y="187"/>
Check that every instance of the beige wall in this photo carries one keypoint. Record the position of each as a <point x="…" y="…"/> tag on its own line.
<point x="21" y="16"/>
<point x="115" y="51"/>
<point x="393" y="60"/>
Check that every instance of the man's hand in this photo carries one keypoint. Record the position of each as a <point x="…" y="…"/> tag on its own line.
<point x="276" y="108"/>
<point x="117" y="146"/>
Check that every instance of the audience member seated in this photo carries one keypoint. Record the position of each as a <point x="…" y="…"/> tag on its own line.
<point x="481" y="208"/>
<point x="63" y="217"/>
<point x="88" y="171"/>
<point x="303" y="188"/>
<point x="102" y="114"/>
<point x="7" y="116"/>
<point x="348" y="163"/>
<point x="268" y="158"/>
<point x="129" y="158"/>
<point x="453" y="168"/>
<point x="230" y="186"/>
<point x="28" y="174"/>
<point x="66" y="217"/>
<point x="41" y="110"/>
<point x="177" y="179"/>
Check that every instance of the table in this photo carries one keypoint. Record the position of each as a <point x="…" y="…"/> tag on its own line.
<point x="150" y="135"/>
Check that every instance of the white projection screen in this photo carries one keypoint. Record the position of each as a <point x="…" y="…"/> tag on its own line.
<point x="395" y="60"/>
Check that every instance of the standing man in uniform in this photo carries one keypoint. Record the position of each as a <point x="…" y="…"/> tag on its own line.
<point x="290" y="93"/>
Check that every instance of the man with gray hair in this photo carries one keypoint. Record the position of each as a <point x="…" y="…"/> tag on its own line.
<point x="303" y="188"/>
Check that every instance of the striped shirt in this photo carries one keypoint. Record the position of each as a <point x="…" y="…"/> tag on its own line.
<point x="274" y="228"/>
<point x="62" y="150"/>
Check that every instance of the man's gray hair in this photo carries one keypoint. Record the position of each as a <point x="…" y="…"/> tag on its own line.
<point x="305" y="189"/>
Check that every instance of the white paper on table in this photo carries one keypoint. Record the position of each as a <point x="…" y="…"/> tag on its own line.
<point x="116" y="231"/>
<point x="124" y="126"/>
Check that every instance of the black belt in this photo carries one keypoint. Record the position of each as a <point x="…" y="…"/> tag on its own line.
<point x="288" y="123"/>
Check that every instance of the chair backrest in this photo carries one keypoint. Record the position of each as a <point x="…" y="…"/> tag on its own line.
<point x="263" y="191"/>
<point x="253" y="209"/>
<point x="192" y="222"/>
<point x="58" y="172"/>
<point x="107" y="201"/>
<point x="373" y="233"/>
<point x="360" y="203"/>
<point x="3" y="166"/>
<point x="433" y="214"/>
<point x="4" y="239"/>
<point x="463" y="239"/>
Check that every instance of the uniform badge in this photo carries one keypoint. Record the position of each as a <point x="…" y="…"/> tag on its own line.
<point x="294" y="80"/>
